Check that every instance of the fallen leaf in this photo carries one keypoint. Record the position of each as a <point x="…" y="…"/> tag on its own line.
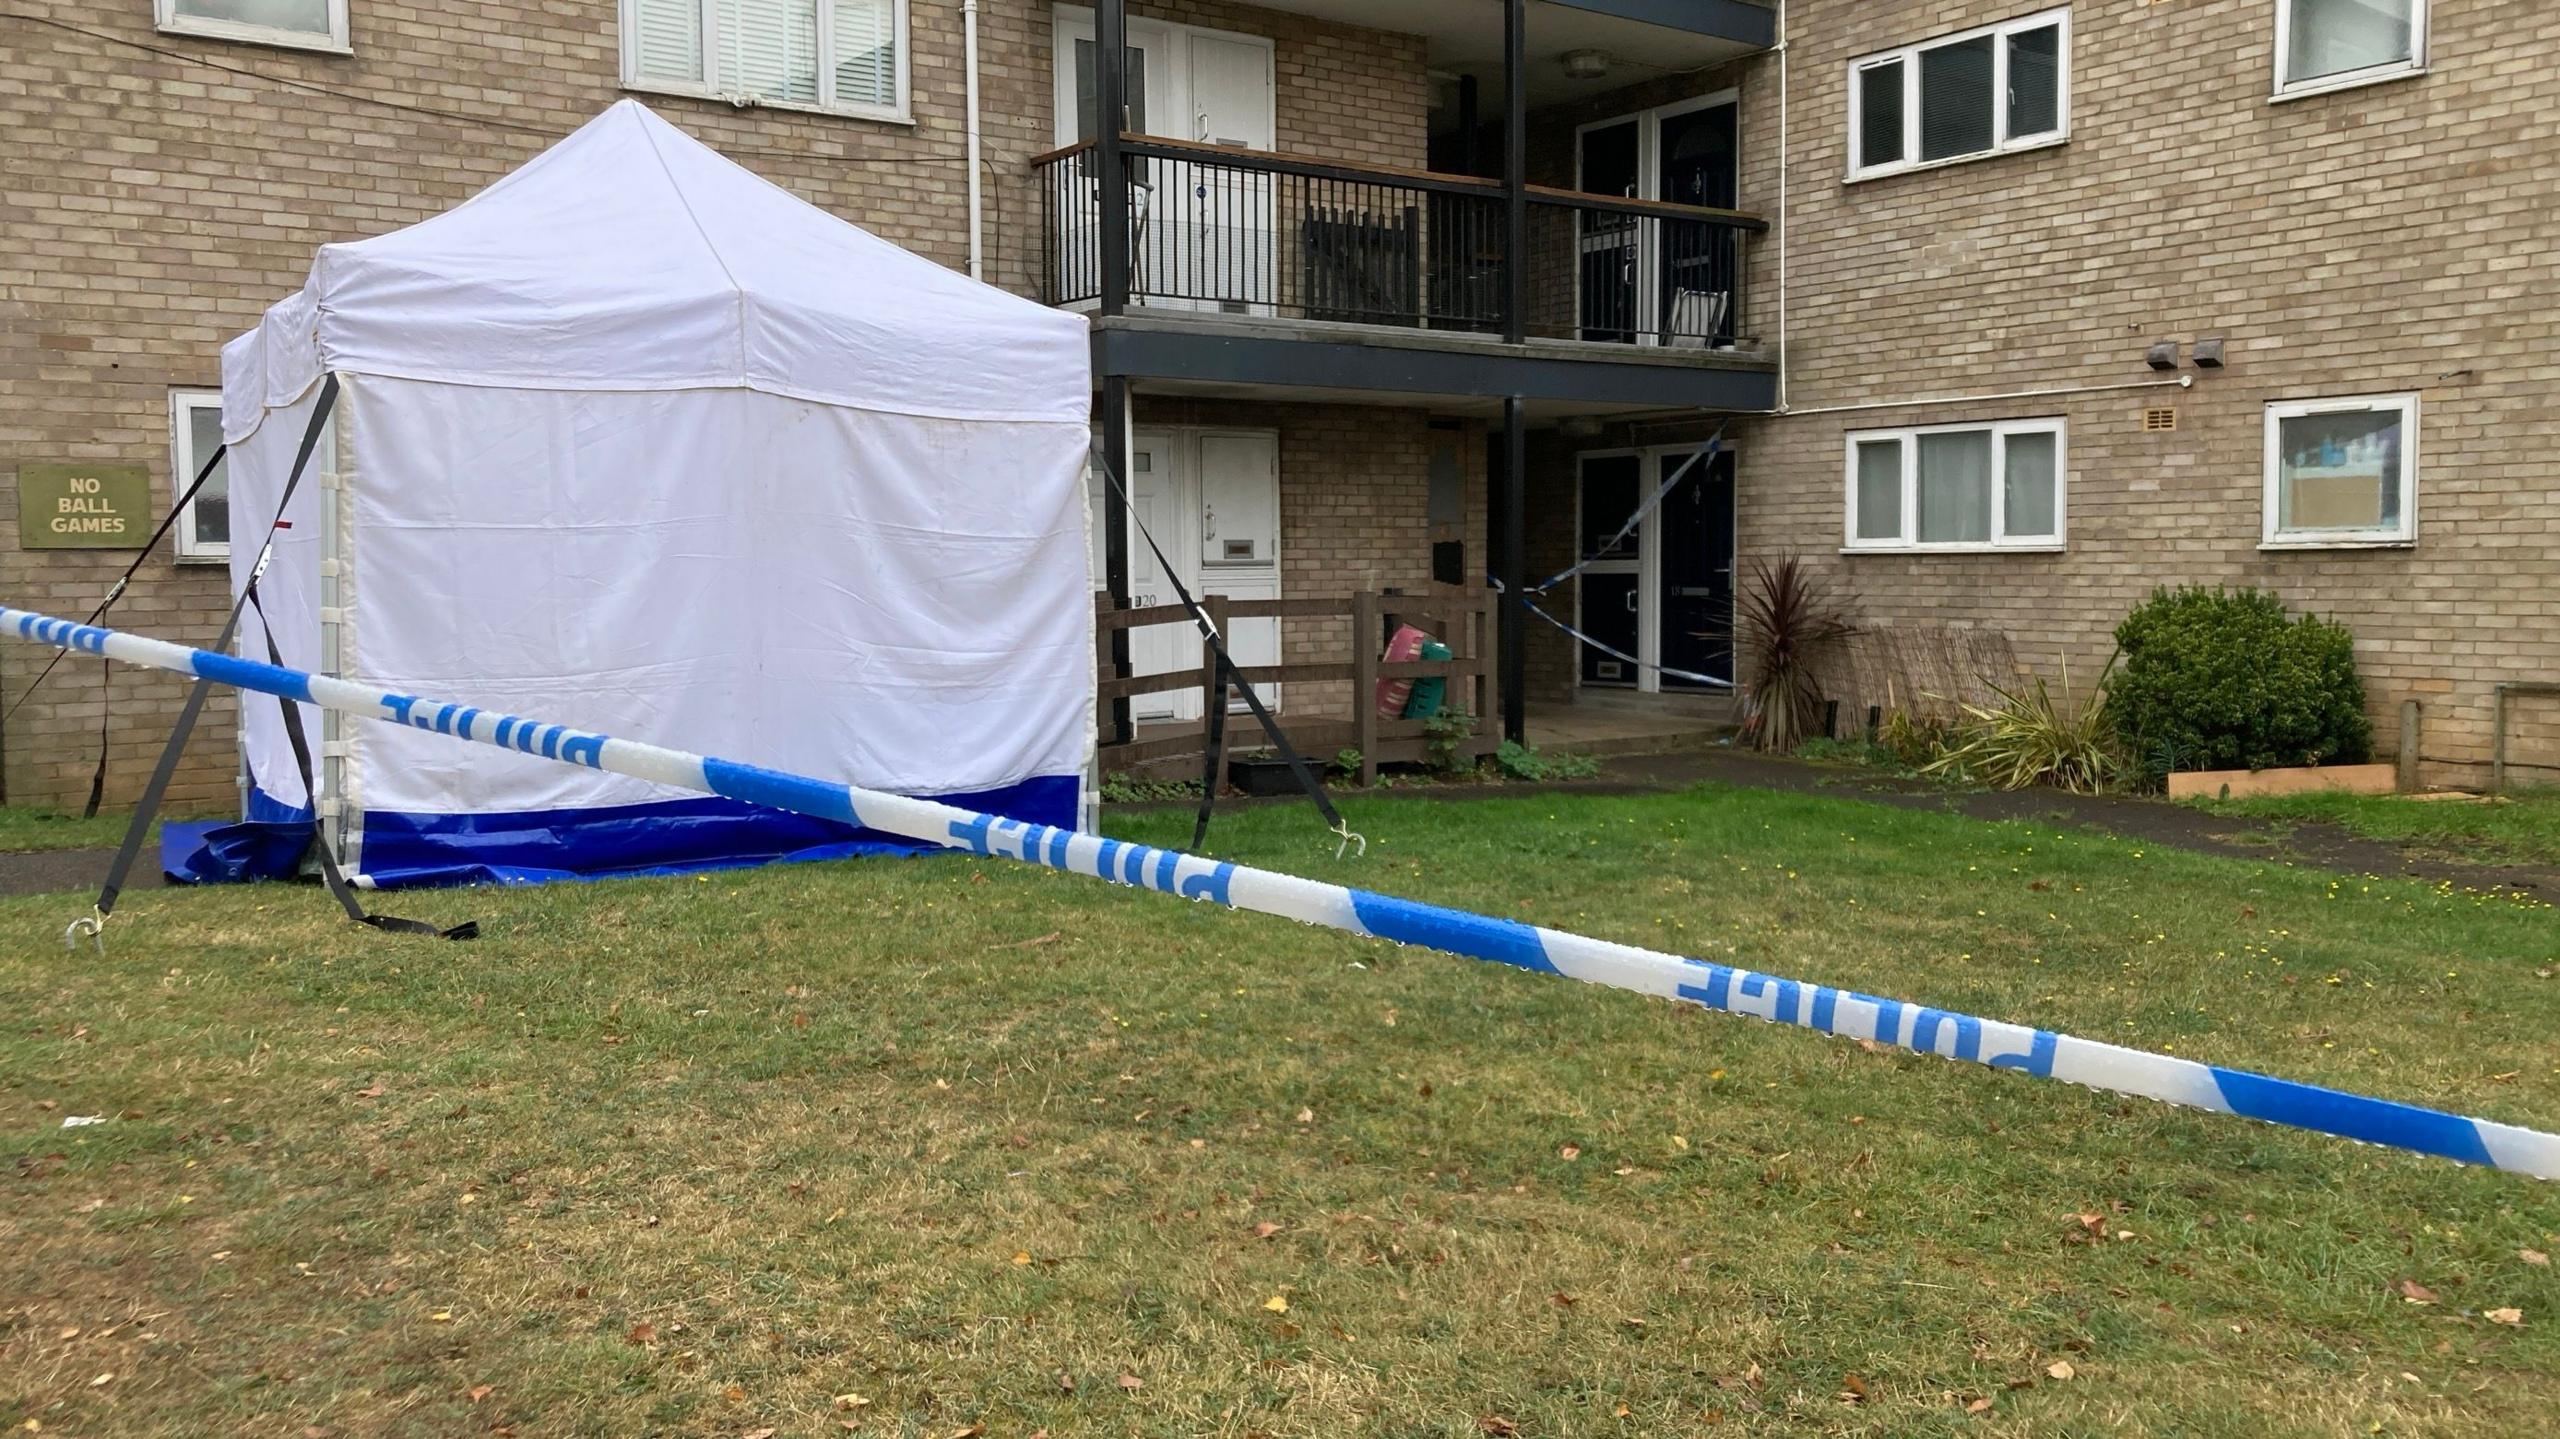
<point x="482" y="1391"/>
<point x="2505" y="1316"/>
<point x="641" y="1334"/>
<point x="1066" y="1382"/>
<point x="2534" y="1256"/>
<point x="1751" y="1376"/>
<point x="1132" y="1382"/>
<point x="1621" y="1412"/>
<point x="1265" y="1229"/>
<point x="69" y="1331"/>
<point x="1978" y="1406"/>
<point x="2060" y="1369"/>
<point x="764" y="1433"/>
<point x="1306" y="1116"/>
<point x="1853" y="1390"/>
<point x="1496" y="1425"/>
<point x="103" y="1380"/>
<point x="1277" y="1304"/>
<point x="1679" y="1141"/>
<point x="1563" y="1300"/>
<point x="442" y="1316"/>
<point x="1569" y="1152"/>
<point x="2414" y="1292"/>
<point x="371" y="1091"/>
<point x="733" y="1394"/>
<point x="971" y="1432"/>
<point x="846" y="1402"/>
<point x="1021" y="1258"/>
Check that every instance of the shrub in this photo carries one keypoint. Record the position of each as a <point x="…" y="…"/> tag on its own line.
<point x="1787" y="622"/>
<point x="1446" y="736"/>
<point x="1520" y="761"/>
<point x="2025" y="738"/>
<point x="2216" y="679"/>
<point x="1914" y="739"/>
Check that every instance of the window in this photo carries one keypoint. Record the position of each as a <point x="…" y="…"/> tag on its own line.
<point x="1957" y="487"/>
<point x="2332" y="44"/>
<point x="846" y="56"/>
<point x="302" y="24"/>
<point x="2004" y="87"/>
<point x="2342" y="472"/>
<point x="195" y="429"/>
<point x="203" y="531"/>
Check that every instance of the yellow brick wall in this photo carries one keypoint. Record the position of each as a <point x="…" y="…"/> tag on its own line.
<point x="2399" y="237"/>
<point x="157" y="192"/>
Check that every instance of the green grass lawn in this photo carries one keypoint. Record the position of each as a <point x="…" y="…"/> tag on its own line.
<point x="23" y="828"/>
<point x="2523" y="828"/>
<point x="920" y="1146"/>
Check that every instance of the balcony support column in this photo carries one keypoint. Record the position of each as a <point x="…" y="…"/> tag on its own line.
<point x="1510" y="504"/>
<point x="1115" y="536"/>
<point x="1515" y="176"/>
<point x="1110" y="165"/>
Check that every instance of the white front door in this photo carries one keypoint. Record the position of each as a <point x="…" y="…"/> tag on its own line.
<point x="1210" y="500"/>
<point x="1201" y="235"/>
<point x="1240" y="540"/>
<point x="1157" y="502"/>
<point x="1224" y="216"/>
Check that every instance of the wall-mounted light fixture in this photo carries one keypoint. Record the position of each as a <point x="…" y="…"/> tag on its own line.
<point x="2162" y="356"/>
<point x="1585" y="64"/>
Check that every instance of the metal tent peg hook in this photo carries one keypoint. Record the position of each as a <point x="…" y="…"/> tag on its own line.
<point x="92" y="927"/>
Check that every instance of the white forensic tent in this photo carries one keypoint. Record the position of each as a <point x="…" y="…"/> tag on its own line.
<point x="637" y="441"/>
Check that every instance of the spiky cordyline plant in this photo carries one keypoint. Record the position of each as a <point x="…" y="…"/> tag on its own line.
<point x="1787" y="620"/>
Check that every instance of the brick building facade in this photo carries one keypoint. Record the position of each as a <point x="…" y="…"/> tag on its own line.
<point x="163" y="189"/>
<point x="2390" y="238"/>
<point x="2394" y="237"/>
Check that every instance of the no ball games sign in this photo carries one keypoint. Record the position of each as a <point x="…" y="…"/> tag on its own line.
<point x="83" y="507"/>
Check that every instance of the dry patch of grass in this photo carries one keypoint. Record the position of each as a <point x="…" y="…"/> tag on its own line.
<point x="918" y="1146"/>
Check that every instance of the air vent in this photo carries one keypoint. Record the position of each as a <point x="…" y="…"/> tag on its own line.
<point x="2164" y="418"/>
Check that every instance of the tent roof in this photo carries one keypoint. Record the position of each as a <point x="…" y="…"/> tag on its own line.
<point x="631" y="256"/>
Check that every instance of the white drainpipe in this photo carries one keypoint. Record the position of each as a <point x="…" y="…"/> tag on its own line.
<point x="977" y="226"/>
<point x="1785" y="231"/>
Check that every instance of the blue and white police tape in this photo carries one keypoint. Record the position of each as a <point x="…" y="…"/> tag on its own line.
<point x="1812" y="1006"/>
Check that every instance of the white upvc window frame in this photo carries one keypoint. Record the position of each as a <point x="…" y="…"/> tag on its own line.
<point x="183" y="461"/>
<point x="900" y="113"/>
<point x="1908" y="541"/>
<point x="2416" y="64"/>
<point x="2402" y="536"/>
<point x="2003" y="143"/>
<point x="168" y="21"/>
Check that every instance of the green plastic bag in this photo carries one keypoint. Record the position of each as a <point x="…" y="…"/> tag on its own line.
<point x="1428" y="691"/>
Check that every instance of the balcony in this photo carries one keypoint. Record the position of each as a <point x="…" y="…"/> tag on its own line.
<point x="1241" y="242"/>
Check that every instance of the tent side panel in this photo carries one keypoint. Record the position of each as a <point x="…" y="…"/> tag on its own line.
<point x="257" y="467"/>
<point x="898" y="601"/>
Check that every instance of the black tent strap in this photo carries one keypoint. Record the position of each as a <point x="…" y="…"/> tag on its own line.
<point x="106" y="672"/>
<point x="93" y="926"/>
<point x="336" y="879"/>
<point x="1217" y="643"/>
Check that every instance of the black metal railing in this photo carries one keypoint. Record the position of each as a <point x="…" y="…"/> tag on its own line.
<point x="1246" y="233"/>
